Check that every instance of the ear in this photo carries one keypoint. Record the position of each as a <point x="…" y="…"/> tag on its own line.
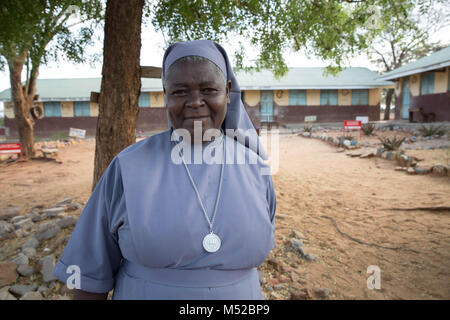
<point x="228" y="90"/>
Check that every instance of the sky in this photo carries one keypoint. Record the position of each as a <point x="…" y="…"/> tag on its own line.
<point x="152" y="53"/>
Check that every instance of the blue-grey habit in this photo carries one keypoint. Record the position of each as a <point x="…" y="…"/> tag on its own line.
<point x="141" y="230"/>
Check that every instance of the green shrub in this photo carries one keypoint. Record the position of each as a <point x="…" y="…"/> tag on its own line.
<point x="308" y="128"/>
<point x="391" y="144"/>
<point x="431" y="131"/>
<point x="368" y="128"/>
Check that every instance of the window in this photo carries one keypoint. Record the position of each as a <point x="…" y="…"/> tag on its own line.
<point x="52" y="109"/>
<point x="144" y="99"/>
<point x="427" y="83"/>
<point x="328" y="97"/>
<point x="81" y="109"/>
<point x="360" y="97"/>
<point x="297" y="97"/>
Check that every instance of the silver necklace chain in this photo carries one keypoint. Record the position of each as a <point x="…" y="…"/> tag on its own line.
<point x="210" y="222"/>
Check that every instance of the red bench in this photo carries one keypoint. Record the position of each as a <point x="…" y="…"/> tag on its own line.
<point x="11" y="148"/>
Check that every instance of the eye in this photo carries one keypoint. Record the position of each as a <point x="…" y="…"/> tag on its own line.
<point x="209" y="90"/>
<point x="179" y="92"/>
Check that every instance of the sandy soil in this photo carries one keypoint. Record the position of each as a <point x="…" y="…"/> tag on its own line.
<point x="313" y="182"/>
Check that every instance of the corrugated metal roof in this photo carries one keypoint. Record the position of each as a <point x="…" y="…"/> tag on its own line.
<point x="437" y="60"/>
<point x="297" y="78"/>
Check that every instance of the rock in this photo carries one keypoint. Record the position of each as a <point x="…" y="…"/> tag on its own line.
<point x="298" y="235"/>
<point x="67" y="222"/>
<point x="366" y="155"/>
<point x="420" y="170"/>
<point x="439" y="170"/>
<point x="61" y="297"/>
<point x="322" y="292"/>
<point x="20" y="259"/>
<point x="25" y="270"/>
<point x="296" y="243"/>
<point x="38" y="209"/>
<point x="47" y="264"/>
<point x="21" y="289"/>
<point x="31" y="243"/>
<point x="36" y="217"/>
<point x="8" y="273"/>
<point x="411" y="170"/>
<point x="42" y="289"/>
<point x="47" y="231"/>
<point x="300" y="294"/>
<point x="29" y="252"/>
<point x="53" y="212"/>
<point x="5" y="295"/>
<point x="17" y="219"/>
<point x="25" y="224"/>
<point x="280" y="216"/>
<point x="9" y="212"/>
<point x="310" y="257"/>
<point x="301" y="251"/>
<point x="73" y="206"/>
<point x="63" y="202"/>
<point x="340" y="150"/>
<point x="5" y="227"/>
<point x="32" y="296"/>
<point x="279" y="286"/>
<point x="276" y="296"/>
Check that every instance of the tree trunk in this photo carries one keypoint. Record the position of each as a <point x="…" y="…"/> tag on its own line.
<point x="387" y="111"/>
<point x="22" y="101"/>
<point x="121" y="82"/>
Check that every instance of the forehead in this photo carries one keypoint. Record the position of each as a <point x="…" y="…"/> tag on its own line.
<point x="183" y="72"/>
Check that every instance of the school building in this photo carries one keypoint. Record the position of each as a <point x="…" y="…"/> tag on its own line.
<point x="422" y="88"/>
<point x="302" y="94"/>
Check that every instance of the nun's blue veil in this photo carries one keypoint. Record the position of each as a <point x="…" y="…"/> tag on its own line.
<point x="236" y="117"/>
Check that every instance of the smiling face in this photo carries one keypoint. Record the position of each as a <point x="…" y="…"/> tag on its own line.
<point x="196" y="91"/>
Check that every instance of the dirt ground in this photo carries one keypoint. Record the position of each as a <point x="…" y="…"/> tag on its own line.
<point x="316" y="186"/>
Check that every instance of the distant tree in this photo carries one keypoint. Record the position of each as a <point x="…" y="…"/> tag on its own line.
<point x="32" y="32"/>
<point x="405" y="35"/>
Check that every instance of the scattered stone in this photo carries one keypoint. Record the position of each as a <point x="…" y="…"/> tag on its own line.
<point x="276" y="296"/>
<point x="8" y="273"/>
<point x="5" y="227"/>
<point x="20" y="259"/>
<point x="439" y="170"/>
<point x="9" y="212"/>
<point x="34" y="295"/>
<point x="300" y="294"/>
<point x="31" y="243"/>
<point x="322" y="292"/>
<point x="63" y="202"/>
<point x="297" y="234"/>
<point x="21" y="289"/>
<point x="29" y="252"/>
<point x="310" y="257"/>
<point x="47" y="264"/>
<point x="279" y="286"/>
<point x="340" y="150"/>
<point x="42" y="289"/>
<point x="38" y="209"/>
<point x="53" y="212"/>
<point x="73" y="206"/>
<point x="301" y="251"/>
<point x="280" y="216"/>
<point x="420" y="170"/>
<point x="67" y="222"/>
<point x="5" y="295"/>
<point x="296" y="243"/>
<point x="367" y="155"/>
<point x="25" y="270"/>
<point x="61" y="297"/>
<point x="36" y="217"/>
<point x="25" y="224"/>
<point x="47" y="231"/>
<point x="17" y="219"/>
<point x="411" y="170"/>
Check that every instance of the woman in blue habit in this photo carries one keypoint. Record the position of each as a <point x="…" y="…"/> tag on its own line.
<point x="162" y="225"/>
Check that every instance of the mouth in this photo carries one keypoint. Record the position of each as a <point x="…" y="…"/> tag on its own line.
<point x="196" y="117"/>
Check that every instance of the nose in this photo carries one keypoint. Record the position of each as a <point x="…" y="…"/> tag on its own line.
<point x="195" y="100"/>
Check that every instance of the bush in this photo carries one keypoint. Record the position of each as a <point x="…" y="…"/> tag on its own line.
<point x="431" y="131"/>
<point x="308" y="128"/>
<point x="368" y="128"/>
<point x="391" y="144"/>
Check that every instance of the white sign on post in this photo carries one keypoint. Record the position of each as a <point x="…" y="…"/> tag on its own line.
<point x="78" y="133"/>
<point x="310" y="118"/>
<point x="363" y="119"/>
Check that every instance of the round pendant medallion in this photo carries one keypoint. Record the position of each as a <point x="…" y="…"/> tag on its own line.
<point x="211" y="242"/>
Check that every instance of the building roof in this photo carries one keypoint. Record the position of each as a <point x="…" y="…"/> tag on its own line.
<point x="79" y="89"/>
<point x="437" y="60"/>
